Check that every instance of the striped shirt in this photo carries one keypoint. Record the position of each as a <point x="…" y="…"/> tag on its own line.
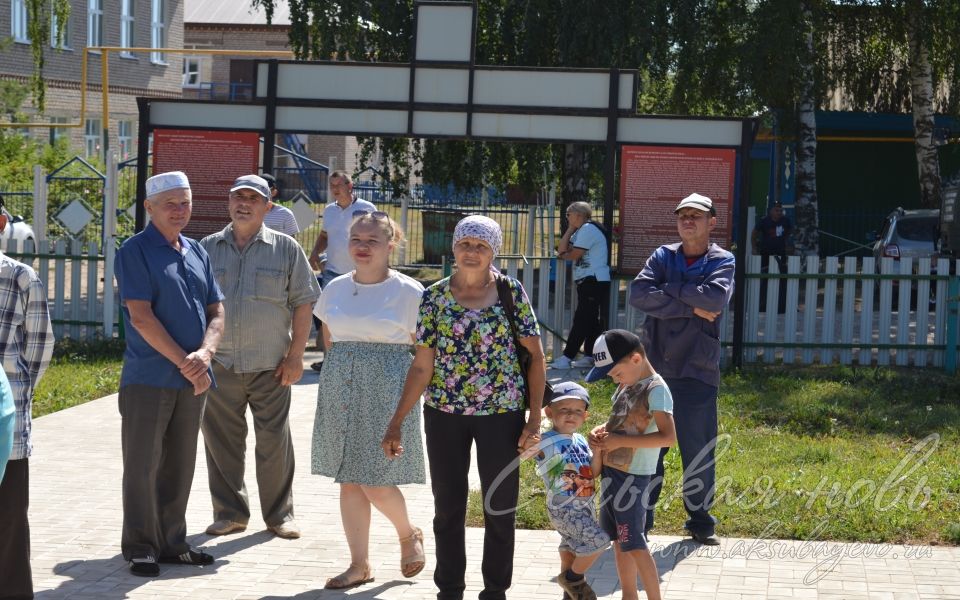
<point x="26" y="342"/>
<point x="280" y="218"/>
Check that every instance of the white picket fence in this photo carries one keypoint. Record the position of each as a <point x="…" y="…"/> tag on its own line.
<point x="79" y="282"/>
<point x="845" y="312"/>
<point x="856" y="314"/>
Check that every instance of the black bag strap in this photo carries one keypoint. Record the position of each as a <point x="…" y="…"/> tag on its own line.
<point x="506" y="299"/>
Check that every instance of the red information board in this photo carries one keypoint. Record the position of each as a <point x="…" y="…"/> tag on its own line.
<point x="211" y="160"/>
<point x="653" y="180"/>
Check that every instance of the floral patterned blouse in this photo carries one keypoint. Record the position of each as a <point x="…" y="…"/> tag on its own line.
<point x="476" y="370"/>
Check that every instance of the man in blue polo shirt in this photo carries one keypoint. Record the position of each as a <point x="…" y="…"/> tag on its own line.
<point x="173" y="316"/>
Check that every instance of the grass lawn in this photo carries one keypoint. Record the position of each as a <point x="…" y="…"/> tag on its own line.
<point x="870" y="455"/>
<point x="78" y="373"/>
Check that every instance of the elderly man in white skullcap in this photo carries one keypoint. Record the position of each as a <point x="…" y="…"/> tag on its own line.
<point x="173" y="317"/>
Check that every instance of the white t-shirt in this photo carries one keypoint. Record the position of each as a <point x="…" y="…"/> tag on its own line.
<point x="591" y="240"/>
<point x="336" y="222"/>
<point x="384" y="312"/>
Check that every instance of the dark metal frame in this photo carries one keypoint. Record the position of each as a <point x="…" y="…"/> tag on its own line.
<point x="611" y="113"/>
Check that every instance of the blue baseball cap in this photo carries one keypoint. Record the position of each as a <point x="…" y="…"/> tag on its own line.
<point x="568" y="389"/>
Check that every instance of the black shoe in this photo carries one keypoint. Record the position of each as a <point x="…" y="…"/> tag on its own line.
<point x="190" y="557"/>
<point x="145" y="566"/>
<point x="317" y="365"/>
<point x="706" y="540"/>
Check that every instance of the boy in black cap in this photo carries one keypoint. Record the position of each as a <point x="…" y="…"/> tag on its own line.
<point x="568" y="469"/>
<point x="640" y="424"/>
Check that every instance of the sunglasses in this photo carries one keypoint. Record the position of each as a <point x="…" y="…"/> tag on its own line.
<point x="374" y="214"/>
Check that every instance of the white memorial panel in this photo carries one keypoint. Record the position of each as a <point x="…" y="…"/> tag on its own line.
<point x="355" y="121"/>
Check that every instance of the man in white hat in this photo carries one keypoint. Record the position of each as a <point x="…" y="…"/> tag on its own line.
<point x="683" y="289"/>
<point x="270" y="292"/>
<point x="173" y="316"/>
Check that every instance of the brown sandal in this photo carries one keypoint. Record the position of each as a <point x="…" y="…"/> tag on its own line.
<point x="412" y="564"/>
<point x="344" y="580"/>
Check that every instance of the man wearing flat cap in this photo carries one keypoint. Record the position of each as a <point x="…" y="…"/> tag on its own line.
<point x="683" y="289"/>
<point x="173" y="317"/>
<point x="270" y="292"/>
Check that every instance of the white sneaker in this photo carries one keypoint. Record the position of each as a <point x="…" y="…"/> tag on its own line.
<point x="562" y="363"/>
<point x="584" y="362"/>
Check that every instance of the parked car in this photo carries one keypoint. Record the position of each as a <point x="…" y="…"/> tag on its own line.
<point x="908" y="234"/>
<point x="16" y="229"/>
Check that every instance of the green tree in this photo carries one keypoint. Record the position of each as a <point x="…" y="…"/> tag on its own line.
<point x="40" y="14"/>
<point x="18" y="152"/>
<point x="785" y="62"/>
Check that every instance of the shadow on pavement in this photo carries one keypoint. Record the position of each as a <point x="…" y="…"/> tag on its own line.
<point x="366" y="591"/>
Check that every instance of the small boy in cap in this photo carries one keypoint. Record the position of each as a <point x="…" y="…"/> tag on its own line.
<point x="568" y="469"/>
<point x="629" y="443"/>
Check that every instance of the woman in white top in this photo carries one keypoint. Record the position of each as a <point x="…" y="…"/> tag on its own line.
<point x="370" y="317"/>
<point x="585" y="244"/>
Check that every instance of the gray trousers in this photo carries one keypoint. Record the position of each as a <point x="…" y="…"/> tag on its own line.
<point x="225" y="438"/>
<point x="159" y="437"/>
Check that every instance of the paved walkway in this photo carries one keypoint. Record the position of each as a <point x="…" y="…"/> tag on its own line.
<point x="76" y="517"/>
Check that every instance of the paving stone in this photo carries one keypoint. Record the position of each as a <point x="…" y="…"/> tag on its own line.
<point x="76" y="517"/>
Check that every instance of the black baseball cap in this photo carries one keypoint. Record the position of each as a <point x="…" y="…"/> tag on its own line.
<point x="609" y="349"/>
<point x="270" y="179"/>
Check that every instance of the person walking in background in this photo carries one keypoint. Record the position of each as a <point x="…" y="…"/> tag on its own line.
<point x="333" y="239"/>
<point x="173" y="317"/>
<point x="279" y="218"/>
<point x="26" y="345"/>
<point x="269" y="295"/>
<point x="370" y="316"/>
<point x="772" y="237"/>
<point x="683" y="289"/>
<point x="466" y="360"/>
<point x="585" y="243"/>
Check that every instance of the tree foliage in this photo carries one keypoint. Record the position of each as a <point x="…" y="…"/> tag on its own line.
<point x="18" y="152"/>
<point x="39" y="15"/>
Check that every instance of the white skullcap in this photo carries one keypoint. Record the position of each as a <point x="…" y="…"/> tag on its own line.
<point x="173" y="180"/>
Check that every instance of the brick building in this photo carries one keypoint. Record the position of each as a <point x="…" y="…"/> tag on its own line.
<point x="123" y="23"/>
<point x="214" y="24"/>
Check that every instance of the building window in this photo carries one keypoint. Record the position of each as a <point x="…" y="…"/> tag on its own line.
<point x="94" y="22"/>
<point x="128" y="26"/>
<point x="125" y="136"/>
<point x="57" y="133"/>
<point x="55" y="29"/>
<point x="191" y="72"/>
<point x="158" y="30"/>
<point x="18" y="21"/>
<point x="91" y="137"/>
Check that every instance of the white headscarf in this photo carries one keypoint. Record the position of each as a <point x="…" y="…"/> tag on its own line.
<point x="481" y="228"/>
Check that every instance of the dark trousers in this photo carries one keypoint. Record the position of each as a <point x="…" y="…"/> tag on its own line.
<point x="225" y="440"/>
<point x="16" y="579"/>
<point x="449" y="438"/>
<point x="695" y="416"/>
<point x="781" y="261"/>
<point x="159" y="430"/>
<point x="588" y="318"/>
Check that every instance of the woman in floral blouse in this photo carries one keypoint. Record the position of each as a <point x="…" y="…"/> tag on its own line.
<point x="466" y="364"/>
